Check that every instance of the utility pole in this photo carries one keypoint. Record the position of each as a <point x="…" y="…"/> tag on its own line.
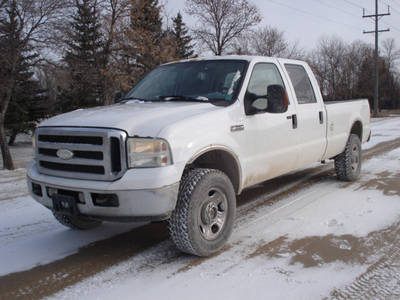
<point x="376" y="32"/>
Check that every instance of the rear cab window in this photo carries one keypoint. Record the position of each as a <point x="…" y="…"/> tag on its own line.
<point x="301" y="84"/>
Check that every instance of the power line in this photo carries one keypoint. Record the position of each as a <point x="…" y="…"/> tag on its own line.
<point x="356" y="5"/>
<point x="396" y="3"/>
<point x="391" y="26"/>
<point x="346" y="12"/>
<point x="317" y="16"/>
<point x="390" y="7"/>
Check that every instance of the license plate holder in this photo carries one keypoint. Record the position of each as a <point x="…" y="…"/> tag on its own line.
<point x="65" y="204"/>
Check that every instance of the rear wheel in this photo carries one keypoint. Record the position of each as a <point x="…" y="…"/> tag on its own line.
<point x="76" y="222"/>
<point x="205" y="212"/>
<point x="348" y="163"/>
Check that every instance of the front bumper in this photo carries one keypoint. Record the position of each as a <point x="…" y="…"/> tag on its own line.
<point x="133" y="205"/>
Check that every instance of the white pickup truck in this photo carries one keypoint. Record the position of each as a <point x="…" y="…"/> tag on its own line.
<point x="186" y="139"/>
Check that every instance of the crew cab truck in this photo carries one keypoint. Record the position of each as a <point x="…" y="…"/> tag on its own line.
<point x="188" y="138"/>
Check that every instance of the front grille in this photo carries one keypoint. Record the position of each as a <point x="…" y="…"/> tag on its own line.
<point x="72" y="168"/>
<point x="98" y="155"/>
<point x="90" y="140"/>
<point x="95" y="154"/>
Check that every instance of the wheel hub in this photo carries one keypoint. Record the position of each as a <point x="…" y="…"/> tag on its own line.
<point x="212" y="214"/>
<point x="209" y="213"/>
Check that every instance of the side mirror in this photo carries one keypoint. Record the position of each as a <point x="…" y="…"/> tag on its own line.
<point x="117" y="97"/>
<point x="278" y="101"/>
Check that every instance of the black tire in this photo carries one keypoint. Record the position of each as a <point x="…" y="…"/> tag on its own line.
<point x="74" y="222"/>
<point x="205" y="212"/>
<point x="348" y="163"/>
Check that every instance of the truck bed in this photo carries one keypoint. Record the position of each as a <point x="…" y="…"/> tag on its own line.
<point x="341" y="115"/>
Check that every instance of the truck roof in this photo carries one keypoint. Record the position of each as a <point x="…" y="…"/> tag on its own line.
<point x="237" y="57"/>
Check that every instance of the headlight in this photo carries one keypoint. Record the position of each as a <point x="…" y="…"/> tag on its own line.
<point x="148" y="153"/>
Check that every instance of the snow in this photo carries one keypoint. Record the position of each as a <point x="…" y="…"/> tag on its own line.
<point x="254" y="265"/>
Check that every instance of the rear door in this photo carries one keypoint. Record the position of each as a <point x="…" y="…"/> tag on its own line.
<point x="311" y="115"/>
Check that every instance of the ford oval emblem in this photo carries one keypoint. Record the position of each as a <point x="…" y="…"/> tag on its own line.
<point x="65" y="154"/>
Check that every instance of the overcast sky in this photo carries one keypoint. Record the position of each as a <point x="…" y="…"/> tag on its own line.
<point x="307" y="20"/>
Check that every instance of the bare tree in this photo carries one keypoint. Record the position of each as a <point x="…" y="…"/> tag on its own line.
<point x="113" y="14"/>
<point x="358" y="54"/>
<point x="268" y="41"/>
<point x="23" y="24"/>
<point x="391" y="53"/>
<point x="220" y="22"/>
<point x="391" y="80"/>
<point x="328" y="63"/>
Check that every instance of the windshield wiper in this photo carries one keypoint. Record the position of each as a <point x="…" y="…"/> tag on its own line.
<point x="182" y="98"/>
<point x="133" y="98"/>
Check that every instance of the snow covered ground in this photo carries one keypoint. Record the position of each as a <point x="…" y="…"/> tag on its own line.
<point x="328" y="240"/>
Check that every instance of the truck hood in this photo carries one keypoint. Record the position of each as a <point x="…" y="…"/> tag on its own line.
<point x="136" y="118"/>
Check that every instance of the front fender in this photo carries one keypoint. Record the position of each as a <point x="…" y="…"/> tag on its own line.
<point x="193" y="137"/>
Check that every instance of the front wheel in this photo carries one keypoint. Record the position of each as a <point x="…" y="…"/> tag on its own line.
<point x="348" y="163"/>
<point x="205" y="212"/>
<point x="76" y="222"/>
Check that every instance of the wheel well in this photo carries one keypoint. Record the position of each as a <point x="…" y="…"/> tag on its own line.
<point x="357" y="129"/>
<point x="220" y="160"/>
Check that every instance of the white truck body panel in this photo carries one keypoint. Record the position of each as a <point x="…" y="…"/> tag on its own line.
<point x="262" y="146"/>
<point x="340" y="118"/>
<point x="133" y="117"/>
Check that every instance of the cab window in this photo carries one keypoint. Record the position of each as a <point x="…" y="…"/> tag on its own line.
<point x="301" y="84"/>
<point x="263" y="75"/>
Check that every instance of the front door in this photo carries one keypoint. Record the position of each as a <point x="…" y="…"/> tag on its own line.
<point x="271" y="138"/>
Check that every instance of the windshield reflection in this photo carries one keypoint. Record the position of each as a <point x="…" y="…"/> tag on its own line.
<point x="201" y="81"/>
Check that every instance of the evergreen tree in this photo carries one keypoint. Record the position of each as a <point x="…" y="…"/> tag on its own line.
<point x="27" y="107"/>
<point x="83" y="59"/>
<point x="145" y="16"/>
<point x="146" y="44"/>
<point x="10" y="43"/>
<point x="23" y="25"/>
<point x="184" y="49"/>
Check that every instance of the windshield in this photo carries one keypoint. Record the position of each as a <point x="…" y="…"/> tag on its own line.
<point x="204" y="81"/>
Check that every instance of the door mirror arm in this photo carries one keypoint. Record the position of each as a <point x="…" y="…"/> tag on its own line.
<point x="255" y="104"/>
<point x="117" y="97"/>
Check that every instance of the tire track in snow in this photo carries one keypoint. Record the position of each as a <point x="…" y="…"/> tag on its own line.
<point x="268" y="216"/>
<point x="288" y="198"/>
<point x="382" y="278"/>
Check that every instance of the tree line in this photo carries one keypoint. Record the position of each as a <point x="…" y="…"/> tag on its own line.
<point x="61" y="55"/>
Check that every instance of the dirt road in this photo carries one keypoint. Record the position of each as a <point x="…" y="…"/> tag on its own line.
<point x="379" y="250"/>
